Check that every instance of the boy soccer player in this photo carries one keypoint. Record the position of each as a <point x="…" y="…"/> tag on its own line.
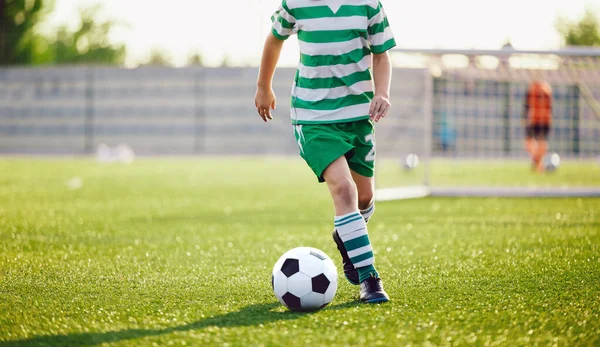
<point x="537" y="119"/>
<point x="334" y="106"/>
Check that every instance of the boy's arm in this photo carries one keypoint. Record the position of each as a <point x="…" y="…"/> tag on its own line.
<point x="265" y="97"/>
<point x="382" y="76"/>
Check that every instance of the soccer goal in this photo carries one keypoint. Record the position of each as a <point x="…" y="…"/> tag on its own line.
<point x="457" y="124"/>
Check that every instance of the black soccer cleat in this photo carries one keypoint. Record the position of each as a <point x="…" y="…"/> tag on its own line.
<point x="371" y="291"/>
<point x="349" y="271"/>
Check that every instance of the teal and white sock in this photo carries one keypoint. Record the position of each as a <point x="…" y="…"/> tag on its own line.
<point x="368" y="212"/>
<point x="352" y="229"/>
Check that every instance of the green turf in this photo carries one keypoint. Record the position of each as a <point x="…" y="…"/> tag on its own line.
<point x="495" y="173"/>
<point x="179" y="251"/>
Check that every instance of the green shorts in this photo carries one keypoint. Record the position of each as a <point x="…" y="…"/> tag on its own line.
<point x="321" y="144"/>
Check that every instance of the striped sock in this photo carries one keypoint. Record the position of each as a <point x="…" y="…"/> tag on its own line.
<point x="368" y="212"/>
<point x="352" y="229"/>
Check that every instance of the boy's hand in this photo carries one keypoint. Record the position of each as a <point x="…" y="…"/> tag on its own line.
<point x="380" y="105"/>
<point x="265" y="102"/>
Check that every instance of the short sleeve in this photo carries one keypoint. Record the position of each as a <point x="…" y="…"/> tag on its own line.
<point x="381" y="38"/>
<point x="284" y="24"/>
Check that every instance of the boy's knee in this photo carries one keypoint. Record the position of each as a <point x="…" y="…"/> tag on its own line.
<point x="365" y="199"/>
<point x="346" y="190"/>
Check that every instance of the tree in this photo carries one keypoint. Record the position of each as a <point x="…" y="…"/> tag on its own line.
<point x="17" y="21"/>
<point x="195" y="59"/>
<point x="585" y="32"/>
<point x="88" y="44"/>
<point x="21" y="44"/>
<point x="158" y="58"/>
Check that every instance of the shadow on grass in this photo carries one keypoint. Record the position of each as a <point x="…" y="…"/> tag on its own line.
<point x="247" y="316"/>
<point x="345" y="305"/>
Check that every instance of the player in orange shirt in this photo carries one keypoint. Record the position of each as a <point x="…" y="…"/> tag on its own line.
<point x="537" y="119"/>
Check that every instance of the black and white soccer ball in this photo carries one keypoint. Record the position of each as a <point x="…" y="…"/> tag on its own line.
<point x="304" y="279"/>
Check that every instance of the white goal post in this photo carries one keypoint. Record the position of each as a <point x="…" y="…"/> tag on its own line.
<point x="461" y="113"/>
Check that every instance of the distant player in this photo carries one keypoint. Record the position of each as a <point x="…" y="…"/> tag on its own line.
<point x="537" y="119"/>
<point x="334" y="105"/>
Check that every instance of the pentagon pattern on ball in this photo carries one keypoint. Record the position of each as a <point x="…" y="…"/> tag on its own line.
<point x="291" y="301"/>
<point x="290" y="267"/>
<point x="320" y="284"/>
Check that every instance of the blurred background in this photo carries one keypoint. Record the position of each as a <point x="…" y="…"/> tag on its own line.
<point x="135" y="32"/>
<point x="97" y="78"/>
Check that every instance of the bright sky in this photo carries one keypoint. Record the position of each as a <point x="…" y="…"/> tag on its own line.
<point x="236" y="28"/>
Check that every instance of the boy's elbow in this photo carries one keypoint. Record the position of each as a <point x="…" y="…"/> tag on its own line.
<point x="274" y="40"/>
<point x="381" y="57"/>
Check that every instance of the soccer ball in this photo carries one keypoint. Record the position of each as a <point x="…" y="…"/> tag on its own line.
<point x="551" y="162"/>
<point x="411" y="162"/>
<point x="304" y="279"/>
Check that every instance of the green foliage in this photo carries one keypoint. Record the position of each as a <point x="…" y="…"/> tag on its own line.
<point x="584" y="32"/>
<point x="158" y="58"/>
<point x="89" y="43"/>
<point x="17" y="21"/>
<point x="196" y="59"/>
<point x="179" y="251"/>
<point x="21" y="44"/>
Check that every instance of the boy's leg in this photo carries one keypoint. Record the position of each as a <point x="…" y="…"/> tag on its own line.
<point x="324" y="147"/>
<point x="531" y="145"/>
<point x="352" y="229"/>
<point x="362" y="165"/>
<point x="341" y="186"/>
<point x="366" y="192"/>
<point x="366" y="206"/>
<point x="337" y="172"/>
<point x="542" y="147"/>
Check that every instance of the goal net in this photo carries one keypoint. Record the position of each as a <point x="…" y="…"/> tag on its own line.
<point x="460" y="112"/>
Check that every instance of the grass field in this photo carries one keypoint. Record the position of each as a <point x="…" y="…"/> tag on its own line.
<point x="179" y="251"/>
<point x="498" y="173"/>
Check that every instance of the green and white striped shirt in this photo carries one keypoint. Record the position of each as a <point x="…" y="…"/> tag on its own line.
<point x="333" y="82"/>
